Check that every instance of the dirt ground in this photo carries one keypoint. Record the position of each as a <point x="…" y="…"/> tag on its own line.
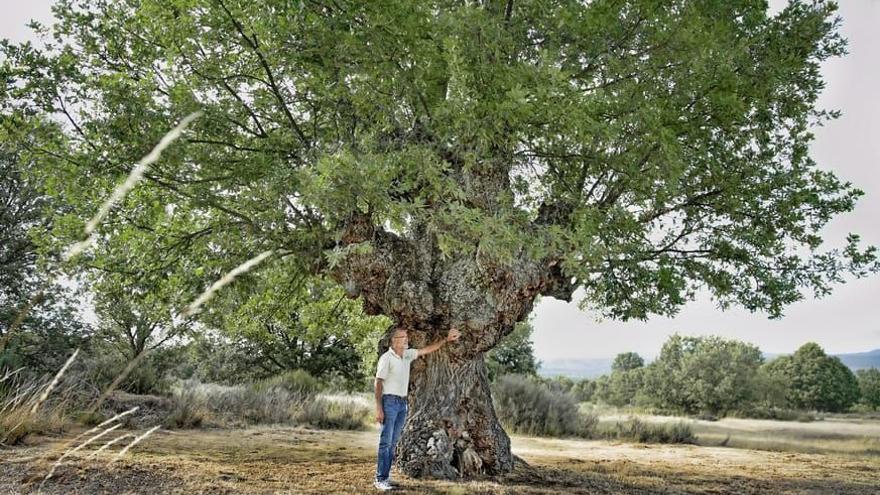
<point x="282" y="460"/>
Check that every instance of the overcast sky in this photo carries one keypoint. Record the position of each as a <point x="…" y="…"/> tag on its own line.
<point x="846" y="321"/>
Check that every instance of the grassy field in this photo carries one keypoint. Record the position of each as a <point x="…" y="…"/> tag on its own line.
<point x="286" y="460"/>
<point x="834" y="435"/>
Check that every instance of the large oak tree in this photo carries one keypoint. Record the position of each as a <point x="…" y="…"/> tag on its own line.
<point x="450" y="161"/>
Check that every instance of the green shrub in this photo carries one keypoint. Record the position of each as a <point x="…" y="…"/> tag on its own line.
<point x="869" y="387"/>
<point x="583" y="390"/>
<point x="525" y="406"/>
<point x="101" y="369"/>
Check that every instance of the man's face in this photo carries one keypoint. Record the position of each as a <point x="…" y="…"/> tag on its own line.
<point x="400" y="340"/>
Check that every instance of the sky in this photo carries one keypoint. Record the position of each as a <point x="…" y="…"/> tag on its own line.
<point x="846" y="321"/>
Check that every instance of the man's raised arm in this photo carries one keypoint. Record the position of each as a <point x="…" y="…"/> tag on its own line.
<point x="452" y="336"/>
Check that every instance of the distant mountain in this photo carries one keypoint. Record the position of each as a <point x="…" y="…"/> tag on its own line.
<point x="594" y="367"/>
<point x="854" y="360"/>
<point x="576" y="368"/>
<point x="861" y="360"/>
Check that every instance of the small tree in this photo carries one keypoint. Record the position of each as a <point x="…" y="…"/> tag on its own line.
<point x="50" y="331"/>
<point x="301" y="323"/>
<point x="621" y="386"/>
<point x="583" y="390"/>
<point x="869" y="386"/>
<point x="627" y="361"/>
<point x="514" y="354"/>
<point x="771" y="388"/>
<point x="818" y="381"/>
<point x="703" y="374"/>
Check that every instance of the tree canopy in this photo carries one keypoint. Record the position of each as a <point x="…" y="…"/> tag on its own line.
<point x="704" y="374"/>
<point x="640" y="150"/>
<point x="52" y="327"/>
<point x="817" y="381"/>
<point x="869" y="386"/>
<point x="626" y="361"/>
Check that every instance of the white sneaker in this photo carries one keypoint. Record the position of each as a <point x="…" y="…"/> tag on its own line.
<point x="383" y="486"/>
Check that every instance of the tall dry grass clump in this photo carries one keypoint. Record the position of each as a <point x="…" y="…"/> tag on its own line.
<point x="293" y="398"/>
<point x="26" y="408"/>
<point x="640" y="431"/>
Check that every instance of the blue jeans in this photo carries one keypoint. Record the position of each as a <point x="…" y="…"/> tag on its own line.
<point x="395" y="414"/>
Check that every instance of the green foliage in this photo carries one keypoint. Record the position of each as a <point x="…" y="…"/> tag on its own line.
<point x="214" y="358"/>
<point x="133" y="317"/>
<point x="711" y="377"/>
<point x="47" y="336"/>
<point x="770" y="389"/>
<point x="626" y="380"/>
<point x="153" y="375"/>
<point x="514" y="354"/>
<point x="707" y="375"/>
<point x="20" y="211"/>
<point x="869" y="386"/>
<point x="278" y="322"/>
<point x="583" y="390"/>
<point x="560" y="383"/>
<point x="621" y="387"/>
<point x="53" y="327"/>
<point x="627" y="361"/>
<point x="818" y="382"/>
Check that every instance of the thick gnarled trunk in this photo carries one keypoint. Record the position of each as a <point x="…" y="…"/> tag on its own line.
<point x="451" y="430"/>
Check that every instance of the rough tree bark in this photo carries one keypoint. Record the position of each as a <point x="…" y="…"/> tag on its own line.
<point x="451" y="431"/>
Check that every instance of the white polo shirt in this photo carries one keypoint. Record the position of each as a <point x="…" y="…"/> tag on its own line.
<point x="394" y="371"/>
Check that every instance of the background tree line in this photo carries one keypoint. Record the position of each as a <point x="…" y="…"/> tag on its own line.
<point x="714" y="377"/>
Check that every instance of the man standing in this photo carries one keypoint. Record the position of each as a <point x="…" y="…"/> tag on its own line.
<point x="392" y="382"/>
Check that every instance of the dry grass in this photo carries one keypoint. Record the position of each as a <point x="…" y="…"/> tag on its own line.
<point x="24" y="409"/>
<point x="283" y="402"/>
<point x="263" y="460"/>
<point x="829" y="434"/>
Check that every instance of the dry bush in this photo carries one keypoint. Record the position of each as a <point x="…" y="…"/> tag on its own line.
<point x="329" y="414"/>
<point x="290" y="398"/>
<point x="637" y="430"/>
<point x="532" y="408"/>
